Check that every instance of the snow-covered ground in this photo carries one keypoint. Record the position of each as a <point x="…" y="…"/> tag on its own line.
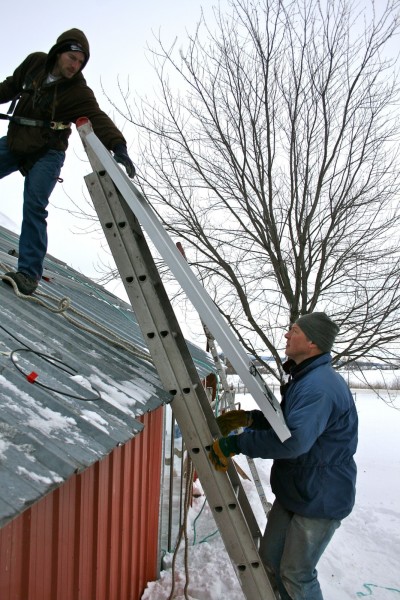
<point x="363" y="558"/>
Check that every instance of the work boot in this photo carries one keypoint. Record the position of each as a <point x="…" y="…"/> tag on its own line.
<point x="25" y="284"/>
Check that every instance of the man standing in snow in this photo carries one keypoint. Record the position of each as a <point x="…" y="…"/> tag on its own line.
<point x="313" y="475"/>
<point x="50" y="93"/>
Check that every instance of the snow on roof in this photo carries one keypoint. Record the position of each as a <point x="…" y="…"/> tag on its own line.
<point x="68" y="396"/>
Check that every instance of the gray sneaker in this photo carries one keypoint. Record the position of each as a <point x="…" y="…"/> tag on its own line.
<point x="25" y="284"/>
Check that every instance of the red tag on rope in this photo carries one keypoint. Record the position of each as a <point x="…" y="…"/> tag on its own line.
<point x="32" y="376"/>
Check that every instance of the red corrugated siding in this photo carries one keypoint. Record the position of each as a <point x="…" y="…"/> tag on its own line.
<point x="95" y="537"/>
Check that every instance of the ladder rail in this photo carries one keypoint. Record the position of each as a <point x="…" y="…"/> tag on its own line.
<point x="196" y="293"/>
<point x="232" y="512"/>
<point x="162" y="317"/>
<point x="193" y="413"/>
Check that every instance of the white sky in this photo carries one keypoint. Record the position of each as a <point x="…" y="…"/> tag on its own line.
<point x="118" y="33"/>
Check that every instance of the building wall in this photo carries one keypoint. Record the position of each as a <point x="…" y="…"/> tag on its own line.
<point x="95" y="537"/>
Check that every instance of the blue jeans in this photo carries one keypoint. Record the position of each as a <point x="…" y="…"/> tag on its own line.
<point x="39" y="183"/>
<point x="290" y="550"/>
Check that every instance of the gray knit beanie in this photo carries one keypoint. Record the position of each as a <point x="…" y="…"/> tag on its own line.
<point x="319" y="329"/>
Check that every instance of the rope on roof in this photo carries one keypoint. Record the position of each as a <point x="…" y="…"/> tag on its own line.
<point x="64" y="307"/>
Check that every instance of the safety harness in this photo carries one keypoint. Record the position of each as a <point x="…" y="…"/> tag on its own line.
<point x="55" y="125"/>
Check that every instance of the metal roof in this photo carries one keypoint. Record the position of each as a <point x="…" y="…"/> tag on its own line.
<point x="75" y="375"/>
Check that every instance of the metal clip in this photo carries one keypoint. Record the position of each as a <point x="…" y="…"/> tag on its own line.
<point x="58" y="125"/>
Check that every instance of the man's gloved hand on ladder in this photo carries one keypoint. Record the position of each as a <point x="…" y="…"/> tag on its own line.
<point x="234" y="419"/>
<point x="221" y="450"/>
<point x="121" y="156"/>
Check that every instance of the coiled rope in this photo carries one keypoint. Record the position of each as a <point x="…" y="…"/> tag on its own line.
<point x="64" y="307"/>
<point x="183" y="532"/>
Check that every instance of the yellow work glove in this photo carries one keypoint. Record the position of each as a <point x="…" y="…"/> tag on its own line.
<point x="221" y="450"/>
<point x="234" y="419"/>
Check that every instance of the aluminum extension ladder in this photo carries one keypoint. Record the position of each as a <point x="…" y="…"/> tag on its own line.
<point x="120" y="207"/>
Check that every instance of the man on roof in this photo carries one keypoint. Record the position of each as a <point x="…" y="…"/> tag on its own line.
<point x="49" y="93"/>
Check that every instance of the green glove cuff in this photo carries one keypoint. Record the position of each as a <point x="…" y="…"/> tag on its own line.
<point x="229" y="445"/>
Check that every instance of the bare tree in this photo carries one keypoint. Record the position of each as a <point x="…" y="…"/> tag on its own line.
<point x="271" y="152"/>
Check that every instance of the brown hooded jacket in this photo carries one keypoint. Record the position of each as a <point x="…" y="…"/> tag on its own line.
<point x="63" y="100"/>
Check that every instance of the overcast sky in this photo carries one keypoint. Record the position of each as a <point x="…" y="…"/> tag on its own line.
<point x="118" y="34"/>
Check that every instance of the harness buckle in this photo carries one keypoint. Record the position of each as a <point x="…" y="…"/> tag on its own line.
<point x="58" y="125"/>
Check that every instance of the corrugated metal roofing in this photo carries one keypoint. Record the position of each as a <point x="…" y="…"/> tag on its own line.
<point x="88" y="392"/>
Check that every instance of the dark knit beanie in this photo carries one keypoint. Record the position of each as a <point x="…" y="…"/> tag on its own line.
<point x="73" y="39"/>
<point x="319" y="329"/>
<point x="73" y="46"/>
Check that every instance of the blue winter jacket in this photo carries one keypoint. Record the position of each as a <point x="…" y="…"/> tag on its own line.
<point x="314" y="472"/>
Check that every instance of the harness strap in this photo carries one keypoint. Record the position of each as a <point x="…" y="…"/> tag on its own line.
<point x="55" y="125"/>
<point x="13" y="104"/>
